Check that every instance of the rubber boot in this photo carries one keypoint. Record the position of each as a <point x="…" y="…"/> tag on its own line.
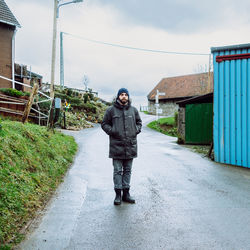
<point x="126" y="196"/>
<point x="118" y="197"/>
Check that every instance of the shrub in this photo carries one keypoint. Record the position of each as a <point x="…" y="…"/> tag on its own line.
<point x="69" y="92"/>
<point x="61" y="95"/>
<point x="26" y="93"/>
<point x="91" y="96"/>
<point x="72" y="100"/>
<point x="86" y="107"/>
<point x="44" y="106"/>
<point x="12" y="92"/>
<point x="75" y="100"/>
<point x="88" y="97"/>
<point x="85" y="97"/>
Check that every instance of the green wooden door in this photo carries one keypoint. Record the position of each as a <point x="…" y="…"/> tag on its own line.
<point x="199" y="123"/>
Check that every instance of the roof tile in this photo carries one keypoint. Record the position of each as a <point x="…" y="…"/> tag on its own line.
<point x="6" y="16"/>
<point x="182" y="86"/>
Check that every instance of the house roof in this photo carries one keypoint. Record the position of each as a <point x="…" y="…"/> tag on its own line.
<point x="6" y="16"/>
<point x="182" y="86"/>
<point x="207" y="98"/>
<point x="33" y="74"/>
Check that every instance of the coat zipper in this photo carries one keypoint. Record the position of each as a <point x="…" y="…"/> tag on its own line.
<point x="124" y="131"/>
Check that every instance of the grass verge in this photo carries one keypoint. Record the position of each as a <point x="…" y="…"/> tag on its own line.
<point x="33" y="161"/>
<point x="200" y="149"/>
<point x="165" y="126"/>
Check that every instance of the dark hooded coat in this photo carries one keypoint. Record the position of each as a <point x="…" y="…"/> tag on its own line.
<point x="122" y="124"/>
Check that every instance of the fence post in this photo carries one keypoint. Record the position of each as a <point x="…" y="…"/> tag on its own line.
<point x="51" y="115"/>
<point x="64" y="120"/>
<point x="29" y="103"/>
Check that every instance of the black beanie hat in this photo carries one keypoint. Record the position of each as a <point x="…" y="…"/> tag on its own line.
<point x="122" y="90"/>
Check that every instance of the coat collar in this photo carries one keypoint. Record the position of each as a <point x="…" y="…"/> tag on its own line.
<point x="120" y="106"/>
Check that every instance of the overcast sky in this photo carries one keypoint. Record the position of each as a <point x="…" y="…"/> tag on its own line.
<point x="180" y="25"/>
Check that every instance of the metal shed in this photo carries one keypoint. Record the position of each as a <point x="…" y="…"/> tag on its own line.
<point x="195" y="120"/>
<point x="232" y="104"/>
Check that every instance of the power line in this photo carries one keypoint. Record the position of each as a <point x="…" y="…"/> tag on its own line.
<point x="135" y="48"/>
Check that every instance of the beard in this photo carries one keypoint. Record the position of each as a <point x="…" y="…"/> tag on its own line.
<point x="123" y="100"/>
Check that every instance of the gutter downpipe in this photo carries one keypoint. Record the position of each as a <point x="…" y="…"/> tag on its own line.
<point x="13" y="58"/>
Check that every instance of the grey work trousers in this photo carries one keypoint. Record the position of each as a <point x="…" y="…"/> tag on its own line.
<point x="122" y="173"/>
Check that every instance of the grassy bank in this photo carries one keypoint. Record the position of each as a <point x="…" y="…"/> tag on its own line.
<point x="33" y="161"/>
<point x="166" y="126"/>
<point x="84" y="108"/>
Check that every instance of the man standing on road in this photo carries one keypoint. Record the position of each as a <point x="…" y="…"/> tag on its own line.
<point x="122" y="123"/>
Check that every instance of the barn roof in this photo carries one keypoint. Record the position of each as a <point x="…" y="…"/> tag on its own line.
<point x="182" y="86"/>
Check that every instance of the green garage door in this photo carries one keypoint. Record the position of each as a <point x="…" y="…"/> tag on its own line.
<point x="199" y="123"/>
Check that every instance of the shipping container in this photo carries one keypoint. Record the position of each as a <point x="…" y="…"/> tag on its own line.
<point x="232" y="104"/>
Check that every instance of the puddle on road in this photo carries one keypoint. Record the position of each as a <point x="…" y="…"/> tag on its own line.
<point x="170" y="151"/>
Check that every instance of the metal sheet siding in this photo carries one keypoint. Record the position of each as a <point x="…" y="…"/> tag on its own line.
<point x="248" y="110"/>
<point x="232" y="109"/>
<point x="199" y="123"/>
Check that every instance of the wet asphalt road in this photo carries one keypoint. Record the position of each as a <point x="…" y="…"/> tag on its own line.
<point x="183" y="201"/>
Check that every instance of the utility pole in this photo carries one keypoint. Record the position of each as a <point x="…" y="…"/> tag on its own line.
<point x="61" y="62"/>
<point x="53" y="60"/>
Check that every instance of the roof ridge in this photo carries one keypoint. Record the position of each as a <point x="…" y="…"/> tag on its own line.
<point x="183" y="86"/>
<point x="171" y="77"/>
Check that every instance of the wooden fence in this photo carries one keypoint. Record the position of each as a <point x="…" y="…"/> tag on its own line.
<point x="15" y="107"/>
